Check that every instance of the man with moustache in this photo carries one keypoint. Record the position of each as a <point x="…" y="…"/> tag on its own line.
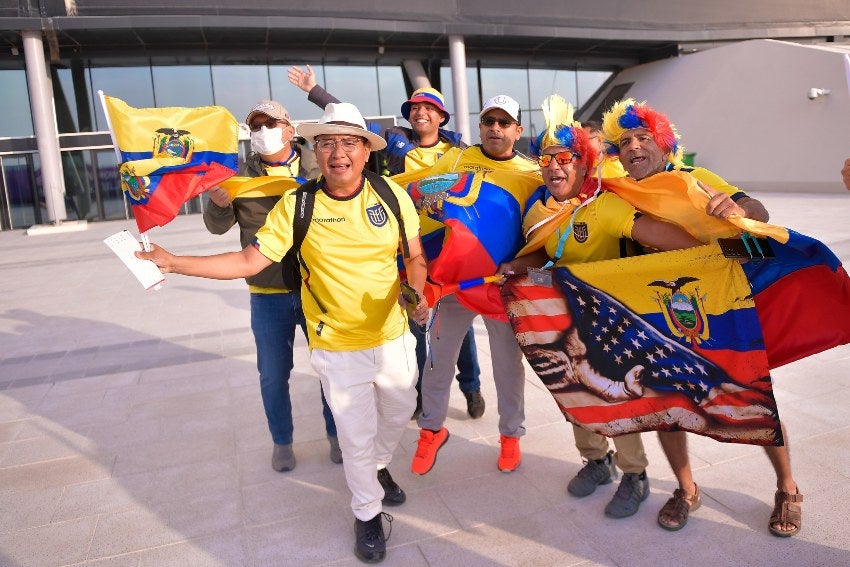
<point x="500" y="128"/>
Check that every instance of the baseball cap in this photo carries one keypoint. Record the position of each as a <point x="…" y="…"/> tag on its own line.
<point x="269" y="108"/>
<point x="504" y="102"/>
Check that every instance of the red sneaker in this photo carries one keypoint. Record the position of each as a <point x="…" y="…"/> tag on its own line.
<point x="426" y="452"/>
<point x="510" y="456"/>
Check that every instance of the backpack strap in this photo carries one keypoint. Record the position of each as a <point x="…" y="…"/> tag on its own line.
<point x="382" y="188"/>
<point x="305" y="197"/>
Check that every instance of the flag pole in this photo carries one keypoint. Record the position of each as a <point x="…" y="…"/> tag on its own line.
<point x="146" y="242"/>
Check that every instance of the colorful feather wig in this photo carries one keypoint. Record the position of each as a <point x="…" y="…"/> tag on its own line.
<point x="563" y="130"/>
<point x="628" y="114"/>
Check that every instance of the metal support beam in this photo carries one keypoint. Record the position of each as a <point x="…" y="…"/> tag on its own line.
<point x="416" y="73"/>
<point x="44" y="120"/>
<point x="457" y="56"/>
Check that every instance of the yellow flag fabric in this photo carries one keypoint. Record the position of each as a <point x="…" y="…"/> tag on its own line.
<point x="266" y="186"/>
<point x="676" y="197"/>
<point x="171" y="133"/>
<point x="170" y="155"/>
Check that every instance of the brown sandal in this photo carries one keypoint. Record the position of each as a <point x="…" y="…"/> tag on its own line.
<point x="677" y="509"/>
<point x="786" y="510"/>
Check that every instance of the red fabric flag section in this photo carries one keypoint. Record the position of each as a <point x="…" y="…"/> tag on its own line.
<point x="160" y="198"/>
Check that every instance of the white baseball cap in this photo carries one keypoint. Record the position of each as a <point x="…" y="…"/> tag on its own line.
<point x="504" y="102"/>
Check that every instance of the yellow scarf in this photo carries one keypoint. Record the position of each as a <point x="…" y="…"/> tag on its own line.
<point x="675" y="196"/>
<point x="544" y="218"/>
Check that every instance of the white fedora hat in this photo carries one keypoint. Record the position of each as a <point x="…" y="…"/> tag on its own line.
<point x="341" y="118"/>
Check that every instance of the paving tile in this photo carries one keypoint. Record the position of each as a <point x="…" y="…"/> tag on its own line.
<point x="221" y="550"/>
<point x="165" y="523"/>
<point x="104" y="496"/>
<point x="27" y="508"/>
<point x="56" y="472"/>
<point x="53" y="544"/>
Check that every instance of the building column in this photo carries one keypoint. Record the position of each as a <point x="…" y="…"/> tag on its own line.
<point x="457" y="56"/>
<point x="44" y="120"/>
<point x="416" y="73"/>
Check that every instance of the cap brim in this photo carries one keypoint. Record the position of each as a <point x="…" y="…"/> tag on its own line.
<point x="252" y="115"/>
<point x="310" y="130"/>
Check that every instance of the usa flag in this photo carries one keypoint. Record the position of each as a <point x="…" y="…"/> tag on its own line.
<point x="613" y="370"/>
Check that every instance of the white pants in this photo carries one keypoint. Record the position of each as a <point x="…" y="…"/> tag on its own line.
<point x="372" y="394"/>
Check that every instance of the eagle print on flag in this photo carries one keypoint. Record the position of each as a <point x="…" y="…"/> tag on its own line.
<point x="668" y="341"/>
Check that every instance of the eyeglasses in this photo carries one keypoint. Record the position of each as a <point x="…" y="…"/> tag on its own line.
<point x="327" y="146"/>
<point x="269" y="123"/>
<point x="503" y="122"/>
<point x="562" y="158"/>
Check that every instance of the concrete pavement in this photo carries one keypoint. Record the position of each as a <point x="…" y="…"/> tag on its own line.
<point x="132" y="434"/>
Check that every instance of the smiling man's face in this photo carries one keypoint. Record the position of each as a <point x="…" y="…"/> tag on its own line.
<point x="424" y="118"/>
<point x="640" y="155"/>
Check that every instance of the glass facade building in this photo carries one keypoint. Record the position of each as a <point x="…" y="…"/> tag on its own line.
<point x="59" y="53"/>
<point x="88" y="159"/>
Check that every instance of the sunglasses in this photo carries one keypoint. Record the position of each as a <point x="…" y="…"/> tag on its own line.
<point x="269" y="123"/>
<point x="562" y="158"/>
<point x="503" y="122"/>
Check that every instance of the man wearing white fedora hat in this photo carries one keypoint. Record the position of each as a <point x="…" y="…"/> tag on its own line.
<point x="414" y="149"/>
<point x="360" y="344"/>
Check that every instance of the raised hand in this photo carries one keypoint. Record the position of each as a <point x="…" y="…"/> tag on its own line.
<point x="304" y="80"/>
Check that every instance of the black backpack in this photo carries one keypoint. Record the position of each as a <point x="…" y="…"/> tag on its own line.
<point x="305" y="197"/>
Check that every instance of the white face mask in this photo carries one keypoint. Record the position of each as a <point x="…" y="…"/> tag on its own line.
<point x="267" y="141"/>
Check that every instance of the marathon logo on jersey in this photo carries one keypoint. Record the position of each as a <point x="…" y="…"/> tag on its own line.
<point x="377" y="215"/>
<point x="580" y="232"/>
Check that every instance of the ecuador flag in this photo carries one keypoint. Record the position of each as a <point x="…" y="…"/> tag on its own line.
<point x="471" y="223"/>
<point x="667" y="341"/>
<point x="169" y="155"/>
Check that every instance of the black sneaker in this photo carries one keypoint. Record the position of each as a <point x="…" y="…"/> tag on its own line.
<point x="475" y="404"/>
<point x="370" y="544"/>
<point x="393" y="494"/>
<point x="633" y="489"/>
<point x="592" y="474"/>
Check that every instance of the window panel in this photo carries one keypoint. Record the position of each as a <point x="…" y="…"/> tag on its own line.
<point x="391" y="88"/>
<point x="290" y="96"/>
<point x="15" y="102"/>
<point x="544" y="82"/>
<point x="189" y="85"/>
<point x="511" y="82"/>
<point x="588" y="83"/>
<point x="357" y="85"/>
<point x="239" y="87"/>
<point x="130" y="84"/>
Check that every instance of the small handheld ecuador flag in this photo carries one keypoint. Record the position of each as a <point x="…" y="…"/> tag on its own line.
<point x="169" y="155"/>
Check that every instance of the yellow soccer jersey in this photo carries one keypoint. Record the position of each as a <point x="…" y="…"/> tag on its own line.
<point x="716" y="182"/>
<point x="597" y="229"/>
<point x="350" y="250"/>
<point x="289" y="169"/>
<point x="422" y="157"/>
<point x="472" y="159"/>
